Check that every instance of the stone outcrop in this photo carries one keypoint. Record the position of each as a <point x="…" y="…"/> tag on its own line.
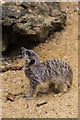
<point x="37" y="20"/>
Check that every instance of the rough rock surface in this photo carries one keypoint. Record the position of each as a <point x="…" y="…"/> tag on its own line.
<point x="35" y="19"/>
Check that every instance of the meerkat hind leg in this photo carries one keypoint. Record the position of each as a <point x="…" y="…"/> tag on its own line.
<point x="63" y="88"/>
<point x="43" y="88"/>
<point x="60" y="89"/>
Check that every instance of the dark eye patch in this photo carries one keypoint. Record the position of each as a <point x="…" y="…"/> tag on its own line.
<point x="28" y="53"/>
<point x="32" y="62"/>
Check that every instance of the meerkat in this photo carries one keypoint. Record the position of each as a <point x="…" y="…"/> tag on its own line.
<point x="56" y="73"/>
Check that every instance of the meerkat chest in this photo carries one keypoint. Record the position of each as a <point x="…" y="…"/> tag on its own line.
<point x="26" y="71"/>
<point x="30" y="72"/>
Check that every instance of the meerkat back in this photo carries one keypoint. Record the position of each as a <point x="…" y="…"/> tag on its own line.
<point x="58" y="73"/>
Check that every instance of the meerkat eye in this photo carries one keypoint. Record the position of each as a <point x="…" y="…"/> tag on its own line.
<point x="28" y="53"/>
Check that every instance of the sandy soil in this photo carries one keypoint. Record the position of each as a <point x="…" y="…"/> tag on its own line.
<point x="62" y="45"/>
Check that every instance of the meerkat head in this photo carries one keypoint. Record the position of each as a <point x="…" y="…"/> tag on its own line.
<point x="31" y="58"/>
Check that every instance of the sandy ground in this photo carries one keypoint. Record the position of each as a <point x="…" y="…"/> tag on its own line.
<point x="62" y="45"/>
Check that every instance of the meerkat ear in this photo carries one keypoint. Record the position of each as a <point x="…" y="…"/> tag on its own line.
<point x="23" y="49"/>
<point x="32" y="62"/>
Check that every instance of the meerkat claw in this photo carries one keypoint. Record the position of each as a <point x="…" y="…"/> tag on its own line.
<point x="25" y="96"/>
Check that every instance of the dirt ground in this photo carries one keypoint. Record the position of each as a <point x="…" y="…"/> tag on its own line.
<point x="63" y="45"/>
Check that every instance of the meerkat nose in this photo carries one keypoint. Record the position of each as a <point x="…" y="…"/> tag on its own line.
<point x="22" y="48"/>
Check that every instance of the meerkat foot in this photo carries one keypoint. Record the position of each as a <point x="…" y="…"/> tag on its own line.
<point x="25" y="96"/>
<point x="59" y="94"/>
<point x="28" y="97"/>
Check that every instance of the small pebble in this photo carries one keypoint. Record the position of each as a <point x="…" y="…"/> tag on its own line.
<point x="10" y="97"/>
<point x="77" y="8"/>
<point x="41" y="103"/>
<point x="65" y="57"/>
<point x="19" y="82"/>
<point x="27" y="106"/>
<point x="2" y="74"/>
<point x="15" y="81"/>
<point x="67" y="8"/>
<point x="71" y="14"/>
<point x="79" y="86"/>
<point x="19" y="101"/>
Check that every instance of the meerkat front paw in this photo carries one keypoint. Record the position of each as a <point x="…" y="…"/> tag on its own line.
<point x="28" y="97"/>
<point x="25" y="96"/>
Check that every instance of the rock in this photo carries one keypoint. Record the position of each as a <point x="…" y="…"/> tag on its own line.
<point x="35" y="20"/>
<point x="41" y="103"/>
<point x="10" y="97"/>
<point x="6" y="68"/>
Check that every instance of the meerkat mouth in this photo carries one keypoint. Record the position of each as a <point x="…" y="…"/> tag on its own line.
<point x="32" y="62"/>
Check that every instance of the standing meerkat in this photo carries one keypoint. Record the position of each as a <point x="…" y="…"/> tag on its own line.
<point x="56" y="73"/>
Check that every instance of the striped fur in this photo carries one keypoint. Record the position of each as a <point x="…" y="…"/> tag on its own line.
<point x="53" y="71"/>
